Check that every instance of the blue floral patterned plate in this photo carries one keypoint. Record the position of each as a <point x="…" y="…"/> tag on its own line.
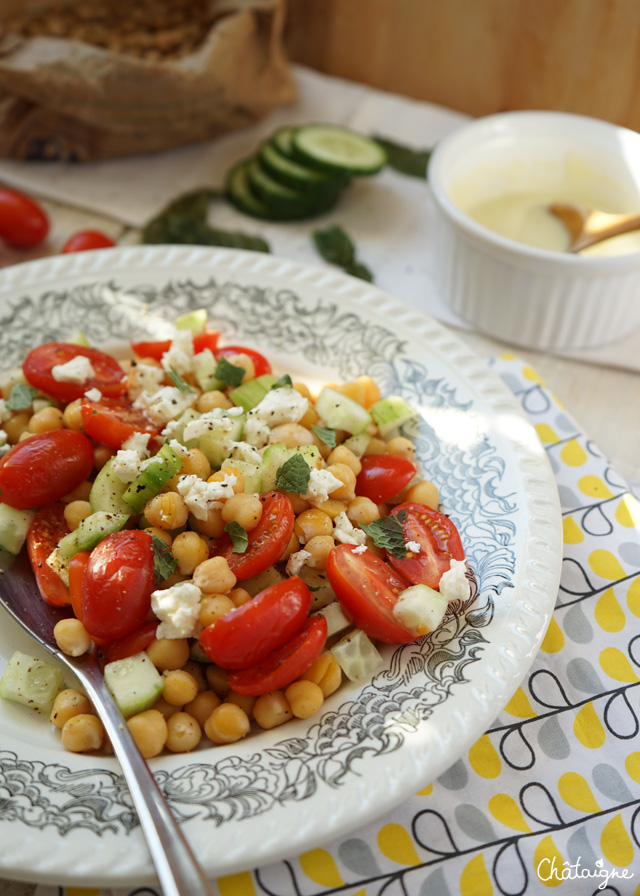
<point x="68" y="818"/>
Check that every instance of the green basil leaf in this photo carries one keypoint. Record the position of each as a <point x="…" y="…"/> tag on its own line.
<point x="177" y="380"/>
<point x="387" y="533"/>
<point x="413" y="162"/>
<point x="326" y="435"/>
<point x="239" y="537"/>
<point x="164" y="563"/>
<point x="230" y="374"/>
<point x="294" y="475"/>
<point x="21" y="397"/>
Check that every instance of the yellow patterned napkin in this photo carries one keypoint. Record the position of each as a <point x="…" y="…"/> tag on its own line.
<point x="549" y="797"/>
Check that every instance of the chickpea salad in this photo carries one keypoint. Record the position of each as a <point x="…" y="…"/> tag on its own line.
<point x="233" y="546"/>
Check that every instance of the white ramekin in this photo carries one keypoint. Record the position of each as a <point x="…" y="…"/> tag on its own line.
<point x="516" y="293"/>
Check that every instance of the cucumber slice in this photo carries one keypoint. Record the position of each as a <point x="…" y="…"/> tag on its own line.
<point x="216" y="444"/>
<point x="176" y="428"/>
<point x="14" y="525"/>
<point x="338" y="149"/>
<point x="90" y="532"/>
<point x="107" y="491"/>
<point x="275" y="455"/>
<point x="296" y="175"/>
<point x="153" y="478"/>
<point x="339" y="411"/>
<point x="251" y="393"/>
<point x="31" y="682"/>
<point x="358" y="444"/>
<point x="281" y="200"/>
<point x="282" y="139"/>
<point x="392" y="414"/>
<point x="134" y="682"/>
<point x="241" y="195"/>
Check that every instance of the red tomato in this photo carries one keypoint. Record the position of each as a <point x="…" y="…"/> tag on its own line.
<point x="285" y="664"/>
<point x="267" y="540"/>
<point x="77" y="567"/>
<point x="44" y="468"/>
<point x="87" y="239"/>
<point x="383" y="475"/>
<point x="157" y="348"/>
<point x="108" y="377"/>
<point x="23" y="223"/>
<point x="367" y="589"/>
<point x="260" y="363"/>
<point x="247" y="635"/>
<point x="439" y="544"/>
<point x="117" y="584"/>
<point x="113" y="422"/>
<point x="131" y="644"/>
<point x="47" y="528"/>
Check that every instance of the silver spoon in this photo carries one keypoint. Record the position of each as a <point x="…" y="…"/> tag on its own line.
<point x="587" y="226"/>
<point x="177" y="868"/>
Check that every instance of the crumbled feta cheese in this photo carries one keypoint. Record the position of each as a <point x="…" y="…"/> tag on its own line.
<point x="454" y="585"/>
<point x="165" y="404"/>
<point x="180" y="354"/>
<point x="283" y="405"/>
<point x="345" y="532"/>
<point x="177" y="607"/>
<point x="139" y="442"/>
<point x="420" y="609"/>
<point x="179" y="449"/>
<point x="144" y="378"/>
<point x="201" y="496"/>
<point x="360" y="549"/>
<point x="215" y="419"/>
<point x="321" y="484"/>
<point x="296" y="561"/>
<point x="126" y="464"/>
<point x="256" y="431"/>
<point x="245" y="452"/>
<point x="77" y="370"/>
<point x="413" y="546"/>
<point x="93" y="394"/>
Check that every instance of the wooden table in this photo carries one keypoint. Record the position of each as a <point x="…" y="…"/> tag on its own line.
<point x="604" y="401"/>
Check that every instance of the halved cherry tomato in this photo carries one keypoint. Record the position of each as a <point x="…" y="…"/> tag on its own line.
<point x="23" y="223"/>
<point x="44" y="468"/>
<point x="87" y="239"/>
<point x="45" y="531"/>
<point x="156" y="348"/>
<point x="285" y="664"/>
<point x="439" y="544"/>
<point x="367" y="589"/>
<point x="113" y="422"/>
<point x="267" y="540"/>
<point x="383" y="475"/>
<point x="260" y="363"/>
<point x="117" y="584"/>
<point x="108" y="376"/>
<point x="247" y="635"/>
<point x="77" y="568"/>
<point x="131" y="644"/>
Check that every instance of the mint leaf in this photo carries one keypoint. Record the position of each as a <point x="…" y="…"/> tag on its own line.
<point x="285" y="380"/>
<point x="336" y="246"/>
<point x="177" y="380"/>
<point x="239" y="537"/>
<point x="21" y="397"/>
<point x="387" y="533"/>
<point x="294" y="475"/>
<point x="230" y="374"/>
<point x="413" y="162"/>
<point x="326" y="435"/>
<point x="164" y="563"/>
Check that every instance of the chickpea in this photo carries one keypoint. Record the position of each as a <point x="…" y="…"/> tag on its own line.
<point x="82" y="733"/>
<point x="401" y="447"/>
<point x="244" y="509"/>
<point x="223" y="475"/>
<point x="162" y="534"/>
<point x="213" y="576"/>
<point x="347" y="491"/>
<point x="304" y="698"/>
<point x="75" y="512"/>
<point x="244" y="701"/>
<point x="213" y="526"/>
<point x="312" y="522"/>
<point x="303" y="390"/>
<point x="291" y="434"/>
<point x="71" y="416"/>
<point x="227" y="724"/>
<point x="168" y="653"/>
<point x="332" y="507"/>
<point x="244" y="361"/>
<point x="271" y="710"/>
<point x="424" y="493"/>
<point x="196" y="669"/>
<point x="189" y="549"/>
<point x="320" y="546"/>
<point x="166" y="511"/>
<point x="343" y="455"/>
<point x="183" y="733"/>
<point x="69" y="703"/>
<point x="325" y="671"/>
<point x="15" y="426"/>
<point x="149" y="730"/>
<point x="214" y="399"/>
<point x="47" y="419"/>
<point x="202" y="706"/>
<point x="167" y="709"/>
<point x="375" y="446"/>
<point x="291" y="548"/>
<point x="362" y="510"/>
<point x="214" y="607"/>
<point x="218" y="680"/>
<point x="72" y="637"/>
<point x="179" y="687"/>
<point x="239" y="596"/>
<point x="80" y="493"/>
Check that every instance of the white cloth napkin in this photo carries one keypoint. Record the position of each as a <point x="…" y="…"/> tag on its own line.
<point x="391" y="218"/>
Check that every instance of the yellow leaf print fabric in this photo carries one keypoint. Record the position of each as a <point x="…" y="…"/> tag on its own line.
<point x="548" y="799"/>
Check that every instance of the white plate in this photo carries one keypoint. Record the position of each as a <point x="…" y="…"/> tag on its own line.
<point x="67" y="818"/>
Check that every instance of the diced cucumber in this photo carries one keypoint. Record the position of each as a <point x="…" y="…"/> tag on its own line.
<point x="217" y="442"/>
<point x="176" y="428"/>
<point x="251" y="393"/>
<point x="252" y="473"/>
<point x="31" y="682"/>
<point x="336" y="620"/>
<point x="59" y="564"/>
<point x="157" y="471"/>
<point x="6" y="559"/>
<point x="204" y="370"/>
<point x="90" y="532"/>
<point x="80" y="339"/>
<point x="338" y="149"/>
<point x="339" y="411"/>
<point x="392" y="414"/>
<point x="318" y="584"/>
<point x="14" y="525"/>
<point x="357" y="656"/>
<point x="274" y="456"/>
<point x="134" y="682"/>
<point x="270" y="576"/>
<point x="107" y="491"/>
<point x="358" y="444"/>
<point x="196" y="321"/>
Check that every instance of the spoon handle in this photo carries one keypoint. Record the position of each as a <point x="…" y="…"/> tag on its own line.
<point x="177" y="868"/>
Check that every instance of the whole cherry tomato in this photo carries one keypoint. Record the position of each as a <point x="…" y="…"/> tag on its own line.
<point x="37" y="367"/>
<point x="267" y="540"/>
<point x="284" y="665"/>
<point x="367" y="589"/>
<point x="438" y="539"/>
<point x="23" y="224"/>
<point x="383" y="475"/>
<point x="44" y="468"/>
<point x="87" y="239"/>
<point x="112" y="422"/>
<point x="117" y="584"/>
<point x="45" y="531"/>
<point x="248" y="634"/>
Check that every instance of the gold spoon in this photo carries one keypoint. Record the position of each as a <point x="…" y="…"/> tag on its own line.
<point x="586" y="226"/>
